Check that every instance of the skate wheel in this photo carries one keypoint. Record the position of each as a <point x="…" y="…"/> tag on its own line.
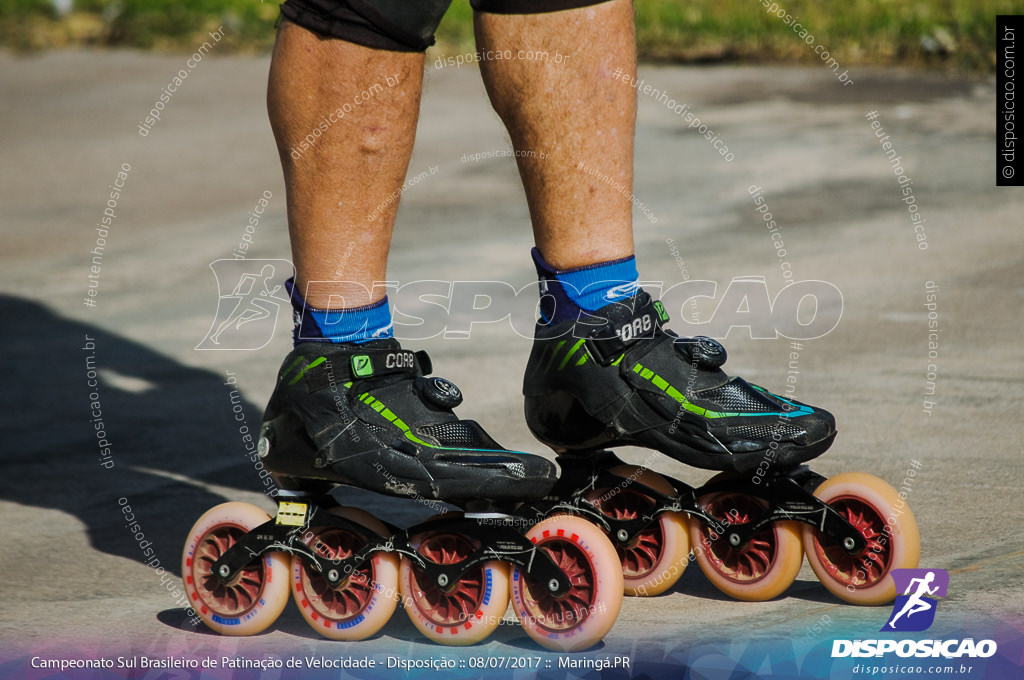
<point x="656" y="557"/>
<point x="254" y="600"/>
<point x="760" y="570"/>
<point x="362" y="603"/>
<point x="584" y="615"/>
<point x="464" y="612"/>
<point x="883" y="518"/>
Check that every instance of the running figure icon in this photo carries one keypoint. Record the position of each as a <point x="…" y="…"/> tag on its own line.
<point x="248" y="303"/>
<point x="920" y="587"/>
<point x="252" y="301"/>
<point x="916" y="604"/>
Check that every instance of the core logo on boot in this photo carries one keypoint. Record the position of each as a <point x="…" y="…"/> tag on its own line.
<point x="400" y="360"/>
<point x="640" y="326"/>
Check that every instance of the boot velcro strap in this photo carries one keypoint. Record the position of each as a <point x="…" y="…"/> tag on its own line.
<point x="375" y="363"/>
<point x="607" y="342"/>
<point x="370" y="363"/>
<point x="605" y="349"/>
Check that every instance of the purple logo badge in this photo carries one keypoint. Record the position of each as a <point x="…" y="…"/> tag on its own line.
<point x="914" y="610"/>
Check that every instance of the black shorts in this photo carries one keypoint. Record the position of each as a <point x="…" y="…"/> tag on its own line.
<point x="400" y="25"/>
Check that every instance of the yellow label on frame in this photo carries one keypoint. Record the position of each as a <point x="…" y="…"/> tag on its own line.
<point x="291" y="514"/>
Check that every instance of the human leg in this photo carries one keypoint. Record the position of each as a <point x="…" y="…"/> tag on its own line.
<point x="605" y="370"/>
<point x="565" y="117"/>
<point x="339" y="180"/>
<point x="359" y="409"/>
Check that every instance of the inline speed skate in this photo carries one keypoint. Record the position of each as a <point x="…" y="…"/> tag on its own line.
<point x="619" y="377"/>
<point x="369" y="416"/>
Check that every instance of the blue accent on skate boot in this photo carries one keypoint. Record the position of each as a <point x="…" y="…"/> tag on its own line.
<point x="799" y="409"/>
<point x="564" y="294"/>
<point x="356" y="325"/>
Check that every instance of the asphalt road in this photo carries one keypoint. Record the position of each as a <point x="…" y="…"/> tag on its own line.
<point x="75" y="580"/>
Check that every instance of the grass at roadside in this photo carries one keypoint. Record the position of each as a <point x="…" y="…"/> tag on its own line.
<point x="956" y="34"/>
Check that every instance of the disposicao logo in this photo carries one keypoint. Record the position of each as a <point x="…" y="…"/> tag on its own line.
<point x="914" y="611"/>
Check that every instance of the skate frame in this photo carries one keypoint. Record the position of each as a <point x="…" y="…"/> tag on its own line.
<point x="789" y="493"/>
<point x="501" y="533"/>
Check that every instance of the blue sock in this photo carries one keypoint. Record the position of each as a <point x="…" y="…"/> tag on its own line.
<point x="357" y="325"/>
<point x="564" y="294"/>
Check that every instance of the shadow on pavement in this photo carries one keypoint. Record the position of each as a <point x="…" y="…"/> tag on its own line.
<point x="169" y="427"/>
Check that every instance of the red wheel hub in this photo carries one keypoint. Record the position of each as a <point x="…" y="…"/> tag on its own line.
<point x="741" y="565"/>
<point x="350" y="597"/>
<point x="568" y="610"/>
<point x="872" y="564"/>
<point x="459" y="603"/>
<point x="243" y="592"/>
<point x="641" y="556"/>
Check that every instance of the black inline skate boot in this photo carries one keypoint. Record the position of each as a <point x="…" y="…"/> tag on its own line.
<point x="368" y="416"/>
<point x="619" y="377"/>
